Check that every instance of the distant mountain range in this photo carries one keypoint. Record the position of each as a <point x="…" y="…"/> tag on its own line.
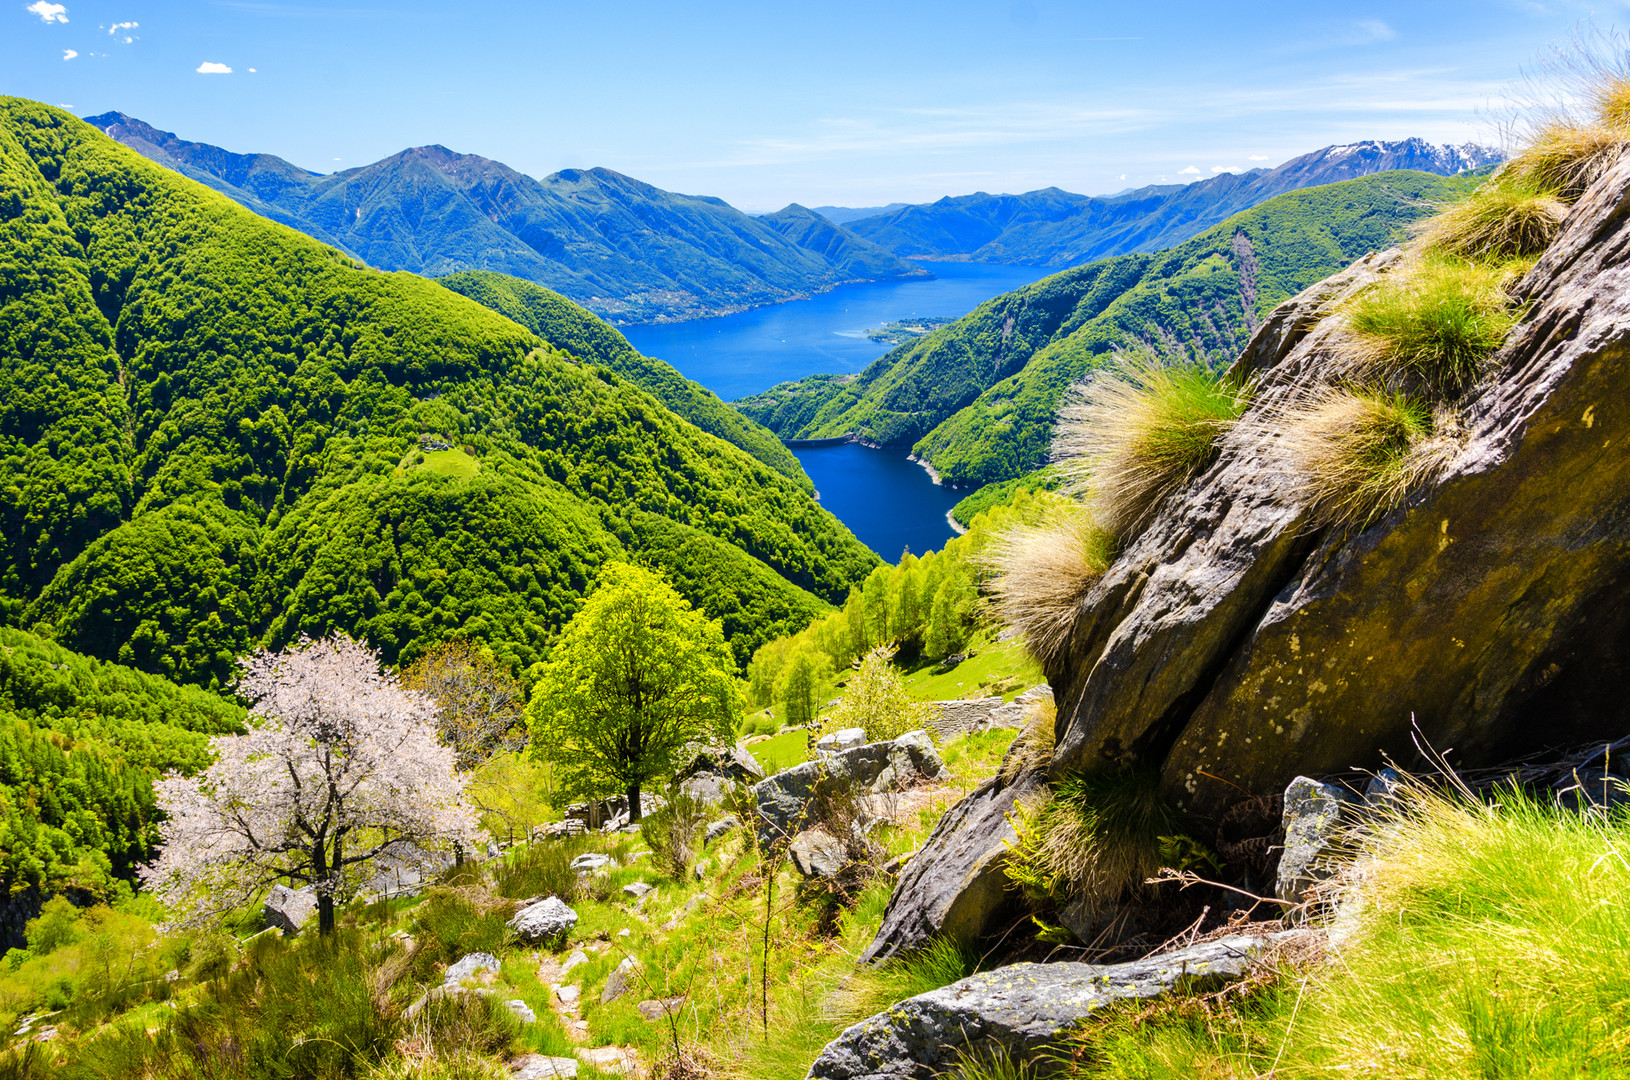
<point x="628" y="251"/>
<point x="1052" y="227"/>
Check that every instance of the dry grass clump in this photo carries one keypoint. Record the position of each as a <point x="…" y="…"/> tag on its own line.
<point x="1032" y="748"/>
<point x="1502" y="219"/>
<point x="1565" y="157"/>
<point x="1140" y="429"/>
<point x="1353" y="449"/>
<point x="1094" y="840"/>
<point x="1437" y="321"/>
<point x="1042" y="574"/>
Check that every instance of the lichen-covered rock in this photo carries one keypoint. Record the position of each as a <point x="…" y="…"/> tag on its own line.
<point x="618" y="982"/>
<point x="469" y="966"/>
<point x="289" y="909"/>
<point x="815" y="854"/>
<point x="546" y="921"/>
<point x="718" y="828"/>
<point x="1019" y="1009"/>
<point x="1314" y="816"/>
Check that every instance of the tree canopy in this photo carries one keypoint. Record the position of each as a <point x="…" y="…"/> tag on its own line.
<point x="637" y="675"/>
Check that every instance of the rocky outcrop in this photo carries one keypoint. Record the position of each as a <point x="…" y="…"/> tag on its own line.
<point x="783" y="799"/>
<point x="1233" y="645"/>
<point x="1020" y="1009"/>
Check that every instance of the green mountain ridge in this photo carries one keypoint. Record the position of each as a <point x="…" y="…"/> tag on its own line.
<point x="210" y="432"/>
<point x="626" y="250"/>
<point x="977" y="399"/>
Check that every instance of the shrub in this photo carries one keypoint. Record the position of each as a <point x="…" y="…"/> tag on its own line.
<point x="1139" y="430"/>
<point x="876" y="699"/>
<point x="1042" y="574"/>
<point x="1436" y="321"/>
<point x="1501" y="219"/>
<point x="1354" y="451"/>
<point x="674" y="833"/>
<point x="541" y="869"/>
<point x="1092" y="841"/>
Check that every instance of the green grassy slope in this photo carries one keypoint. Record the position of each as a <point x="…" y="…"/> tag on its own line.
<point x="208" y="431"/>
<point x="578" y="331"/>
<point x="977" y="398"/>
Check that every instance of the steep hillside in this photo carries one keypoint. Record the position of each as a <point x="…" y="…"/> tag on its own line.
<point x="1056" y="228"/>
<point x="855" y="258"/>
<point x="977" y="398"/>
<point x="215" y="431"/>
<point x="573" y="329"/>
<point x="626" y="250"/>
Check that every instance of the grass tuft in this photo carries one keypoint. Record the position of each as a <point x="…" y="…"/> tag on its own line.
<point x="1095" y="840"/>
<point x="1437" y="321"/>
<point x="1502" y="219"/>
<point x="1140" y="429"/>
<point x="1353" y="450"/>
<point x="1564" y="158"/>
<point x="1042" y="574"/>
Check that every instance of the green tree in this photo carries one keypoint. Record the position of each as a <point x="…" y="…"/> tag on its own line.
<point x="876" y="699"/>
<point x="804" y="682"/>
<point x="636" y="676"/>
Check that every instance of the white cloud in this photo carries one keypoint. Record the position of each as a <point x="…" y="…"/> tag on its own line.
<point x="1225" y="168"/>
<point x="49" y="12"/>
<point x="1373" y="30"/>
<point x="1259" y="157"/>
<point x="116" y="27"/>
<point x="69" y="54"/>
<point x="251" y="71"/>
<point x="210" y="67"/>
<point x="1123" y="176"/>
<point x="1190" y="171"/>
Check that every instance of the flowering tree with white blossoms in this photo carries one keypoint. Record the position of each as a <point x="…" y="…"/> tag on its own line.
<point x="341" y="766"/>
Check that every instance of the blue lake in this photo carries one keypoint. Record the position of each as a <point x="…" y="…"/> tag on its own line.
<point x="888" y="501"/>
<point x="737" y="355"/>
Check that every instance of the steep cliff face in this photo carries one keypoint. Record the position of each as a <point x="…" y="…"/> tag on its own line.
<point x="1234" y="644"/>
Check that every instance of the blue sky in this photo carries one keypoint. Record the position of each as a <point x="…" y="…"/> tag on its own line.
<point x="766" y="103"/>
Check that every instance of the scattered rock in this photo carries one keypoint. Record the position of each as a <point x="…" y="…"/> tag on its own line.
<point x="1016" y="713"/>
<point x="569" y="994"/>
<point x="545" y="921"/>
<point x="815" y="854"/>
<point x="523" y="1012"/>
<point x="591" y="860"/>
<point x="842" y="739"/>
<point x="657" y="1008"/>
<point x="719" y="828"/>
<point x="468" y="967"/>
<point x="783" y="799"/>
<point x="578" y="957"/>
<point x="1313" y="821"/>
<point x="638" y="889"/>
<point x="615" y="1059"/>
<point x="1382" y="790"/>
<point x="539" y="1067"/>
<point x="1020" y="1009"/>
<point x="700" y="870"/>
<point x="289" y="909"/>
<point x="617" y="983"/>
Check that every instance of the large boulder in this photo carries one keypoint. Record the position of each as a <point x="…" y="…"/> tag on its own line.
<point x="783" y="799"/>
<point x="546" y="921"/>
<point x="1020" y="1010"/>
<point x="1236" y="643"/>
<point x="289" y="909"/>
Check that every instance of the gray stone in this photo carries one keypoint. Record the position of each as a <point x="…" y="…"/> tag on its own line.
<point x="734" y="763"/>
<point x="702" y="868"/>
<point x="1022" y="1009"/>
<point x="657" y="1008"/>
<point x="540" y="1067"/>
<point x="591" y="860"/>
<point x="569" y="993"/>
<point x="637" y="889"/>
<point x="1381" y="793"/>
<point x="718" y="828"/>
<point x="815" y="854"/>
<point x="467" y="967"/>
<point x="548" y="920"/>
<point x="1314" y="818"/>
<point x="523" y="1012"/>
<point x="618" y="983"/>
<point x="709" y="788"/>
<point x="955" y="885"/>
<point x="842" y="739"/>
<point x="783" y="799"/>
<point x="1016" y="713"/>
<point x="289" y="909"/>
<point x="963" y="717"/>
<point x="578" y="957"/>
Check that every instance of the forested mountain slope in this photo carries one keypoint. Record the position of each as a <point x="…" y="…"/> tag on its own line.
<point x="212" y="434"/>
<point x="1057" y="228"/>
<point x="977" y="398"/>
<point x="574" y="329"/>
<point x="624" y="249"/>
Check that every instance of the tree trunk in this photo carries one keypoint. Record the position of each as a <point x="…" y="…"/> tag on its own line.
<point x="323" y="887"/>
<point x="633" y="802"/>
<point x="325" y="913"/>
